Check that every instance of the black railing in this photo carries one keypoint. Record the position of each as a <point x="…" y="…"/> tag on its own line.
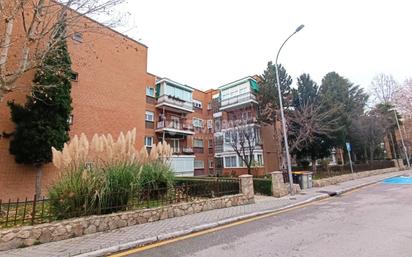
<point x="43" y="210"/>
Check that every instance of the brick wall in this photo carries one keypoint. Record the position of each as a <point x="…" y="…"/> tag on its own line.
<point x="109" y="97"/>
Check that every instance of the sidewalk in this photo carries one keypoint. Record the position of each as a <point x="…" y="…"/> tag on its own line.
<point x="100" y="244"/>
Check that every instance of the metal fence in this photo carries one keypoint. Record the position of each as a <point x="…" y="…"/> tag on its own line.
<point x="42" y="210"/>
<point x="337" y="170"/>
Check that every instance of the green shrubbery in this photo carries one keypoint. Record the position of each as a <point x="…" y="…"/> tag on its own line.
<point x="107" y="185"/>
<point x="262" y="186"/>
<point x="82" y="192"/>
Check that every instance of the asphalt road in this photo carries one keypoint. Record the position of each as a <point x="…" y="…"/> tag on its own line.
<point x="374" y="221"/>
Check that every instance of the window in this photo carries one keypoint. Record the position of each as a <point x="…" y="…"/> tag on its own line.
<point x="218" y="126"/>
<point x="198" y="143"/>
<point x="209" y="124"/>
<point x="77" y="36"/>
<point x="148" y="141"/>
<point x="175" y="145"/>
<point x="259" y="159"/>
<point x="209" y="106"/>
<point x="227" y="137"/>
<point x="149" y="116"/>
<point x="210" y="164"/>
<point x="178" y="93"/>
<point x="199" y="164"/>
<point x="74" y="76"/>
<point x="210" y="143"/>
<point x="197" y="122"/>
<point x="230" y="162"/>
<point x="197" y="104"/>
<point x="150" y="91"/>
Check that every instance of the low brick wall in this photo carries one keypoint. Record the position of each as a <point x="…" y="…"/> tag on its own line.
<point x="60" y="230"/>
<point x="347" y="177"/>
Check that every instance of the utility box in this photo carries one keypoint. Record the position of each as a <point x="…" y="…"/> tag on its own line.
<point x="303" y="178"/>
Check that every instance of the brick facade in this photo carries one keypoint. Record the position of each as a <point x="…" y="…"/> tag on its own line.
<point x="110" y="96"/>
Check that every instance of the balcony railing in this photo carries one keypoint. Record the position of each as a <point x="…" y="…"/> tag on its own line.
<point x="183" y="150"/>
<point x="174" y="125"/>
<point x="175" y="102"/>
<point x="242" y="98"/>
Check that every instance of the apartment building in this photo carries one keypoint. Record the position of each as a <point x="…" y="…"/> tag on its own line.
<point x="238" y="135"/>
<point x="108" y="90"/>
<point x="177" y="114"/>
<point x="113" y="92"/>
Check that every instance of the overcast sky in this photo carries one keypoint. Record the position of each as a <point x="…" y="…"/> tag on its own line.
<point x="206" y="44"/>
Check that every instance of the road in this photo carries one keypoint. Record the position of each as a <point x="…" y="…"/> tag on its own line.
<point x="374" y="221"/>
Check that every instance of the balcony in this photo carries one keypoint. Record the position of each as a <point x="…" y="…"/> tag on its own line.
<point x="174" y="127"/>
<point x="182" y="151"/>
<point x="175" y="104"/>
<point x="238" y="101"/>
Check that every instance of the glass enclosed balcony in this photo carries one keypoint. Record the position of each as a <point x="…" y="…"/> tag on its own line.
<point x="174" y="96"/>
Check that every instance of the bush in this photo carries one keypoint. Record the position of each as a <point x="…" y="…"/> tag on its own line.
<point x="82" y="192"/>
<point x="155" y="175"/>
<point x="118" y="187"/>
<point x="75" y="194"/>
<point x="262" y="186"/>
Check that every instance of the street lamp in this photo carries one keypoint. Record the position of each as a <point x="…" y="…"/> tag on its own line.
<point x="285" y="136"/>
<point x="403" y="143"/>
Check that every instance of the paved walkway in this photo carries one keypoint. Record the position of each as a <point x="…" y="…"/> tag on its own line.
<point x="128" y="237"/>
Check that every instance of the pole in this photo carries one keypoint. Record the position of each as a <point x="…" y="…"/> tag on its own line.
<point x="348" y="147"/>
<point x="403" y="143"/>
<point x="285" y="136"/>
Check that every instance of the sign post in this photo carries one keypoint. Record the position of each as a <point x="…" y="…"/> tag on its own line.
<point x="348" y="147"/>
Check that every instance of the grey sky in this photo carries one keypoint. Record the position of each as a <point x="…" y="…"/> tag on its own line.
<point x="205" y="44"/>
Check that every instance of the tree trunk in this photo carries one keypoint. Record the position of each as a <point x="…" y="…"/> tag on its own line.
<point x="314" y="168"/>
<point x="37" y="186"/>
<point x="371" y="150"/>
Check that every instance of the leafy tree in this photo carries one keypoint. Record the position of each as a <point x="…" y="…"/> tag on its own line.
<point x="268" y="92"/>
<point x="43" y="120"/>
<point x="387" y="113"/>
<point x="311" y="126"/>
<point x="349" y="101"/>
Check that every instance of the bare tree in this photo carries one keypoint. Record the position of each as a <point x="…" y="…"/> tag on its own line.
<point x="384" y="88"/>
<point x="29" y="29"/>
<point x="309" y="122"/>
<point x="403" y="99"/>
<point x="244" y="139"/>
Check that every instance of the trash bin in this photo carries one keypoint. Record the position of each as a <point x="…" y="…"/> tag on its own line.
<point x="303" y="178"/>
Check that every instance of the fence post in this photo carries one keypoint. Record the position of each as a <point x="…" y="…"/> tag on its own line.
<point x="246" y="186"/>
<point x="33" y="215"/>
<point x="279" y="188"/>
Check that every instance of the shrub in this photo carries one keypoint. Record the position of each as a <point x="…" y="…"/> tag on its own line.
<point x="118" y="187"/>
<point x="262" y="186"/>
<point x="102" y="176"/>
<point x="154" y="176"/>
<point x="75" y="194"/>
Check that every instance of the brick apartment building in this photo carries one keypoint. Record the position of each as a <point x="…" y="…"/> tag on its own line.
<point x="113" y="92"/>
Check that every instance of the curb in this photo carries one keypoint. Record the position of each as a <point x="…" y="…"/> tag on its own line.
<point x="162" y="237"/>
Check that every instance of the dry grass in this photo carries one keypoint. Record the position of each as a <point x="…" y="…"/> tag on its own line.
<point x="103" y="150"/>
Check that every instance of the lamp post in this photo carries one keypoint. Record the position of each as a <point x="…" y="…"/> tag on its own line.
<point x="285" y="136"/>
<point x="403" y="142"/>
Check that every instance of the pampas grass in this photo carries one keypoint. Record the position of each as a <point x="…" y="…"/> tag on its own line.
<point x="103" y="150"/>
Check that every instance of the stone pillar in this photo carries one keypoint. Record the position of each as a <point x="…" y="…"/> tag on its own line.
<point x="401" y="165"/>
<point x="246" y="186"/>
<point x="279" y="188"/>
<point x="395" y="161"/>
